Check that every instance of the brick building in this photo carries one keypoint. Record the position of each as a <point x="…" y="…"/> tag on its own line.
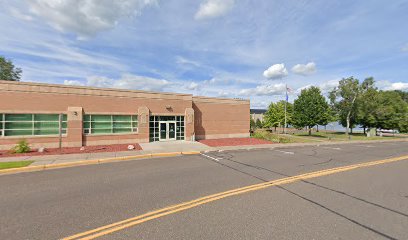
<point x="83" y="116"/>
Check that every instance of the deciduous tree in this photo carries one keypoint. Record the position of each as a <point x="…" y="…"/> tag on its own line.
<point x="367" y="104"/>
<point x="344" y="99"/>
<point x="310" y="109"/>
<point x="275" y="115"/>
<point x="392" y="111"/>
<point x="8" y="71"/>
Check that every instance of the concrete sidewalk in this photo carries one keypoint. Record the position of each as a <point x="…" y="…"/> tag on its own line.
<point x="162" y="148"/>
<point x="148" y="148"/>
<point x="173" y="146"/>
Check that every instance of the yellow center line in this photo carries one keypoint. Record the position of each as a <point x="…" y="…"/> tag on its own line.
<point x="114" y="227"/>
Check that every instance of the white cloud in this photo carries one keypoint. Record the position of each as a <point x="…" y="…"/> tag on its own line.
<point x="211" y="81"/>
<point x="214" y="8"/>
<point x="223" y="93"/>
<point x="129" y="81"/>
<point x="18" y="14"/>
<point x="265" y="90"/>
<point x="192" y="86"/>
<point x="73" y="82"/>
<point x="276" y="71"/>
<point x="405" y="48"/>
<point x="397" y="86"/>
<point x="86" y="17"/>
<point x="184" y="61"/>
<point x="304" y="69"/>
<point x="329" y="85"/>
<point x="325" y="87"/>
<point x="220" y="81"/>
<point x="304" y="87"/>
<point x="260" y="103"/>
<point x="99" y="81"/>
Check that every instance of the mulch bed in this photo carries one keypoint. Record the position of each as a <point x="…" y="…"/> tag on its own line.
<point x="233" y="142"/>
<point x="72" y="150"/>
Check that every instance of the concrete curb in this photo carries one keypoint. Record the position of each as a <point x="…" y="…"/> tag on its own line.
<point x="92" y="162"/>
<point x="288" y="145"/>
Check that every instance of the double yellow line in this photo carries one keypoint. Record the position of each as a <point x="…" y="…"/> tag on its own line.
<point x="114" y="227"/>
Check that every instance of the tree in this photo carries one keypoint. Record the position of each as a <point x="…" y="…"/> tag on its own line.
<point x="404" y="95"/>
<point x="8" y="71"/>
<point x="328" y="117"/>
<point x="258" y="123"/>
<point x="310" y="109"/>
<point x="252" y="123"/>
<point x="367" y="104"/>
<point x="392" y="111"/>
<point x="275" y="115"/>
<point x="344" y="98"/>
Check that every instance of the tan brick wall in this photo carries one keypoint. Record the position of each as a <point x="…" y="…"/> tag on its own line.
<point x="220" y="118"/>
<point x="206" y="118"/>
<point x="22" y="97"/>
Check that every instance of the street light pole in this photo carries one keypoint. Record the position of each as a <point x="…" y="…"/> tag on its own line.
<point x="286" y="101"/>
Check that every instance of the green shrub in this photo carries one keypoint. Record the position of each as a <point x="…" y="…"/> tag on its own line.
<point x="21" y="147"/>
<point x="271" y="137"/>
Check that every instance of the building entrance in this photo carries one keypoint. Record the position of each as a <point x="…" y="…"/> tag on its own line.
<point x="166" y="128"/>
<point x="167" y="131"/>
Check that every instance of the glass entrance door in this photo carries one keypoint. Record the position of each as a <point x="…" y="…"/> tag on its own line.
<point x="172" y="130"/>
<point x="167" y="131"/>
<point x="163" y="131"/>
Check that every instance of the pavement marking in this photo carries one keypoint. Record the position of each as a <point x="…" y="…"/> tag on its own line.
<point x="367" y="146"/>
<point x="334" y="148"/>
<point x="284" y="152"/>
<point x="212" y="158"/>
<point x="114" y="227"/>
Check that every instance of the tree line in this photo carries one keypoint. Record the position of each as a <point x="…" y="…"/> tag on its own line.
<point x="351" y="103"/>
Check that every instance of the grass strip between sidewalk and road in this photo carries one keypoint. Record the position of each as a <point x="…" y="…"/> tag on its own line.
<point x="19" y="164"/>
<point x="27" y="168"/>
<point x="127" y="223"/>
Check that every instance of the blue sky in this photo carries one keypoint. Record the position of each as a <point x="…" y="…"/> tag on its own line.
<point x="222" y="48"/>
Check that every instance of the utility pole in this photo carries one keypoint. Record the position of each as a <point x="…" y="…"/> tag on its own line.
<point x="286" y="101"/>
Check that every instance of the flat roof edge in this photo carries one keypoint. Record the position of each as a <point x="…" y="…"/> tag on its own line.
<point x="88" y="88"/>
<point x="218" y="99"/>
<point x="46" y="88"/>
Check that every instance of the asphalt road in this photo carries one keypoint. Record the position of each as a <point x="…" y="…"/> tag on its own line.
<point x="365" y="203"/>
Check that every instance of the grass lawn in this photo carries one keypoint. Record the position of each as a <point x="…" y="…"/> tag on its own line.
<point x="341" y="136"/>
<point x="281" y="138"/>
<point x="5" y="165"/>
<point x="303" y="137"/>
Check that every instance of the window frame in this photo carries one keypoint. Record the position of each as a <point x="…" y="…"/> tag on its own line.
<point x="33" y="128"/>
<point x="134" y="124"/>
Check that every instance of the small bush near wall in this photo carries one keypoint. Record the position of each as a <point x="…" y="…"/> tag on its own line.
<point x="21" y="147"/>
<point x="271" y="137"/>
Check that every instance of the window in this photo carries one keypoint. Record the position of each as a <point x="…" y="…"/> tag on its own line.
<point x="32" y="124"/>
<point x="108" y="124"/>
<point x="180" y="128"/>
<point x="154" y="126"/>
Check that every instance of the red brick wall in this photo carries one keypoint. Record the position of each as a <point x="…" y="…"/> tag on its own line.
<point x="45" y="98"/>
<point x="220" y="118"/>
<point x="211" y="118"/>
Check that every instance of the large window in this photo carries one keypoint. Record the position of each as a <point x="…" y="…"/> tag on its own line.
<point x="108" y="124"/>
<point x="32" y="124"/>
